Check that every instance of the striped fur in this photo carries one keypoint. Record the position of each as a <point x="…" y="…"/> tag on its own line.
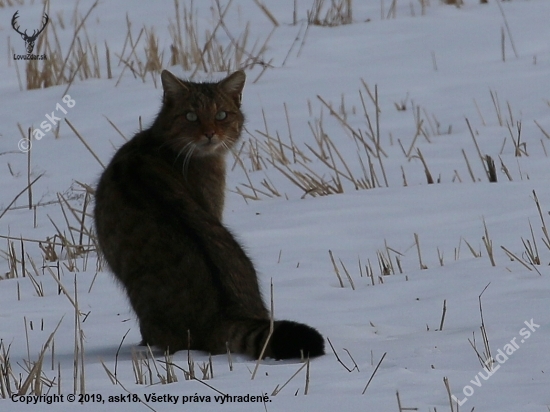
<point x="158" y="217"/>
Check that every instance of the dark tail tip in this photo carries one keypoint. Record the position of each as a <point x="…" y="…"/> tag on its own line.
<point x="291" y="339"/>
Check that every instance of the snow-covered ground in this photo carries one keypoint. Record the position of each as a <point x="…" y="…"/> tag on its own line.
<point x="444" y="69"/>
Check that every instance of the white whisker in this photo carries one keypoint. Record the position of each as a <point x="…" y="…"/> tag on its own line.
<point x="187" y="158"/>
<point x="183" y="149"/>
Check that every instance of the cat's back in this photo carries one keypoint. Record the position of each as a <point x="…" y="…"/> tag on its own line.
<point x="130" y="219"/>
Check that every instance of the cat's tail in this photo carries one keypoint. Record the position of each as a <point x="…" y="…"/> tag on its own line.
<point x="288" y="340"/>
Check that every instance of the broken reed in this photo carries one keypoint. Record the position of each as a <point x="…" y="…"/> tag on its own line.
<point x="196" y="49"/>
<point x="320" y="168"/>
<point x="210" y="55"/>
<point x="530" y="258"/>
<point x="34" y="380"/>
<point x="338" y="12"/>
<point x="69" y="247"/>
<point x="62" y="66"/>
<point x="299" y="165"/>
<point x="485" y="358"/>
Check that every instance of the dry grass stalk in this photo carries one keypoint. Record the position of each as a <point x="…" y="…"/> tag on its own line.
<point x="190" y="363"/>
<point x="543" y="147"/>
<point x="266" y="11"/>
<point x="520" y="148"/>
<point x="531" y="249"/>
<point x="346" y="126"/>
<point x="110" y="375"/>
<point x="278" y="389"/>
<point x="419" y="121"/>
<point x="271" y="328"/>
<point x="340" y="360"/>
<point x="154" y="58"/>
<point x="544" y="132"/>
<point x="468" y="166"/>
<point x="229" y="358"/>
<point x="34" y="379"/>
<point x="62" y="67"/>
<point x="389" y="261"/>
<point x="81" y="59"/>
<point x="479" y="112"/>
<point x="375" y="134"/>
<point x="514" y="257"/>
<point x="496" y="105"/>
<point x="39" y="289"/>
<point x="391" y="12"/>
<point x="491" y="169"/>
<point x="11" y="257"/>
<point x="79" y="248"/>
<point x="170" y="373"/>
<point x="449" y="393"/>
<point x="117" y="354"/>
<point x="306" y="389"/>
<point x="486" y="358"/>
<point x="108" y="61"/>
<point x="293" y="163"/>
<point x="78" y="375"/>
<point x="505" y="169"/>
<point x="48" y="248"/>
<point x="546" y="239"/>
<point x="402" y="408"/>
<point x="443" y="315"/>
<point x="161" y="378"/>
<point x="296" y="40"/>
<point x="211" y="55"/>
<point x="72" y="250"/>
<point x="507" y="29"/>
<point x="398" y="261"/>
<point x="427" y="172"/>
<point x="488" y="244"/>
<point x="336" y="269"/>
<point x="418" y="132"/>
<point x="339" y="12"/>
<point x="6" y="371"/>
<point x="503" y="44"/>
<point x="384" y="263"/>
<point x="207" y="369"/>
<point x="417" y="242"/>
<point x="128" y="63"/>
<point x="478" y="150"/>
<point x="440" y="257"/>
<point x="456" y="3"/>
<point x="350" y="280"/>
<point x="84" y="142"/>
<point x="19" y="194"/>
<point x="374" y="372"/>
<point x="369" y="272"/>
<point x="472" y="250"/>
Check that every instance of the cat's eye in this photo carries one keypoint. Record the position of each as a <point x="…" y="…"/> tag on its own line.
<point x="191" y="116"/>
<point x="221" y="115"/>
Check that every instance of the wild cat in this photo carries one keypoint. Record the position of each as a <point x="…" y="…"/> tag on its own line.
<point x="158" y="214"/>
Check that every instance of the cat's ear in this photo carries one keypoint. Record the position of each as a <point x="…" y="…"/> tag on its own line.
<point x="233" y="86"/>
<point x="171" y="84"/>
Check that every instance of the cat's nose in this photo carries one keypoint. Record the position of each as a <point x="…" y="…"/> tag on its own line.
<point x="209" y="134"/>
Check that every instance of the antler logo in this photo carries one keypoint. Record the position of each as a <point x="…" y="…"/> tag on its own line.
<point x="29" y="40"/>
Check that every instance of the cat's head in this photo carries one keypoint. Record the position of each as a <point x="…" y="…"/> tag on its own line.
<point x="201" y="119"/>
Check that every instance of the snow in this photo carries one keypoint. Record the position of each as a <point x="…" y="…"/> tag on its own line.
<point x="289" y="237"/>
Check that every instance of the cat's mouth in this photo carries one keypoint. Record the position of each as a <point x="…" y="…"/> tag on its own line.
<point x="211" y="145"/>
